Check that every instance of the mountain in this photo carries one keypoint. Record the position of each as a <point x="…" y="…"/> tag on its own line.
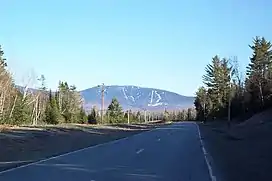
<point x="137" y="98"/>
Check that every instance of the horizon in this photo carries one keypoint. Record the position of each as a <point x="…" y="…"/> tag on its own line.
<point x="80" y="90"/>
<point x="126" y="43"/>
<point x="139" y="87"/>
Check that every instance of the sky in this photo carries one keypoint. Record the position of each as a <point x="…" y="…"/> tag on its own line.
<point x="150" y="43"/>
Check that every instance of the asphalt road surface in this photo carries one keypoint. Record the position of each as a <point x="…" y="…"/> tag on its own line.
<point x="171" y="153"/>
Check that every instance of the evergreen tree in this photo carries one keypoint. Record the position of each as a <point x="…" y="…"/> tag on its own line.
<point x="217" y="80"/>
<point x="138" y="116"/>
<point x="259" y="74"/>
<point x="115" y="112"/>
<point x="6" y="90"/>
<point x="189" y="114"/>
<point x="82" y="117"/>
<point x="180" y="116"/>
<point x="126" y="116"/>
<point x="203" y="104"/>
<point x="172" y="116"/>
<point x="52" y="114"/>
<point x="93" y="116"/>
<point x="166" y="116"/>
<point x="22" y="113"/>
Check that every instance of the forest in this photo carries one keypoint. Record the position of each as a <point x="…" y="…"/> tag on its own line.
<point x="229" y="93"/>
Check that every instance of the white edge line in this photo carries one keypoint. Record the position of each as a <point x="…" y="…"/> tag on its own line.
<point x="213" y="178"/>
<point x="76" y="151"/>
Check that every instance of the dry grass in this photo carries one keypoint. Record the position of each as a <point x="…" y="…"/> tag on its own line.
<point x="6" y="127"/>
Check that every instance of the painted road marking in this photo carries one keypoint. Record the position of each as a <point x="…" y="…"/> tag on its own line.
<point x="139" y="151"/>
<point x="213" y="178"/>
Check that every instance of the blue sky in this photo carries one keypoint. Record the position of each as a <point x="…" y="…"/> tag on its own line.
<point x="160" y="44"/>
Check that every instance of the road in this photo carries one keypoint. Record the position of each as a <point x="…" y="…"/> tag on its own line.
<point x="170" y="153"/>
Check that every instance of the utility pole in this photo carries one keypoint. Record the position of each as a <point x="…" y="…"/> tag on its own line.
<point x="230" y="98"/>
<point x="229" y="106"/>
<point x="128" y="116"/>
<point x="102" y="100"/>
<point x="204" y="108"/>
<point x="145" y="115"/>
<point x="233" y="70"/>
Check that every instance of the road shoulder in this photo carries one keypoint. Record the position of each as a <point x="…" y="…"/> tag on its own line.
<point x="243" y="153"/>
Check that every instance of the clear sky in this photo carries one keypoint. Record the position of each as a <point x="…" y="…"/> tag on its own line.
<point x="151" y="43"/>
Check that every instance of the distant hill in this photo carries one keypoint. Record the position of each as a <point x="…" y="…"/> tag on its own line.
<point x="136" y="98"/>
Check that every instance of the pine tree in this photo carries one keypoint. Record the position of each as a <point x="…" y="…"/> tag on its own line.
<point x="179" y="116"/>
<point x="115" y="112"/>
<point x="189" y="114"/>
<point x="52" y="115"/>
<point x="259" y="73"/>
<point x="82" y="117"/>
<point x="201" y="103"/>
<point x="22" y="112"/>
<point x="3" y="62"/>
<point x="217" y="79"/>
<point x="93" y="116"/>
<point x="133" y="117"/>
<point x="126" y="115"/>
<point x="6" y="89"/>
<point x="138" y="116"/>
<point x="166" y="116"/>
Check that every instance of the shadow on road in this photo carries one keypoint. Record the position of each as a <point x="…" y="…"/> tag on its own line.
<point x="119" y="172"/>
<point x="25" y="145"/>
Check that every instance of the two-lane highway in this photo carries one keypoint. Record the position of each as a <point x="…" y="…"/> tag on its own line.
<point x="171" y="153"/>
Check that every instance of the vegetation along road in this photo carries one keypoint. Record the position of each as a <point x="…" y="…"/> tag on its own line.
<point x="107" y="132"/>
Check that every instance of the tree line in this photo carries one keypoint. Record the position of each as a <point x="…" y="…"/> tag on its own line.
<point x="24" y="105"/>
<point x="226" y="94"/>
<point x="114" y="114"/>
<point x="188" y="114"/>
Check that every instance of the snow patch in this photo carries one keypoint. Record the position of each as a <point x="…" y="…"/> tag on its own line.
<point x="151" y="99"/>
<point x="159" y="97"/>
<point x="138" y="95"/>
<point x="156" y="104"/>
<point x="132" y="98"/>
<point x="126" y="97"/>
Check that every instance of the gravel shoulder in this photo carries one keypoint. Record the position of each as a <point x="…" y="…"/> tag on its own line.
<point x="22" y="145"/>
<point x="242" y="153"/>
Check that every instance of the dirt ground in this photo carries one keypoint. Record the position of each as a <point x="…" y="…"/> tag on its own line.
<point x="243" y="152"/>
<point x="22" y="145"/>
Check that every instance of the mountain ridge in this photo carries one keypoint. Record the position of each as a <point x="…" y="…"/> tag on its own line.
<point x="131" y="85"/>
<point x="137" y="97"/>
<point x="133" y="97"/>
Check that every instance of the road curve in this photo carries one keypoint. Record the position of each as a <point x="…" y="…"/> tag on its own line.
<point x="171" y="153"/>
